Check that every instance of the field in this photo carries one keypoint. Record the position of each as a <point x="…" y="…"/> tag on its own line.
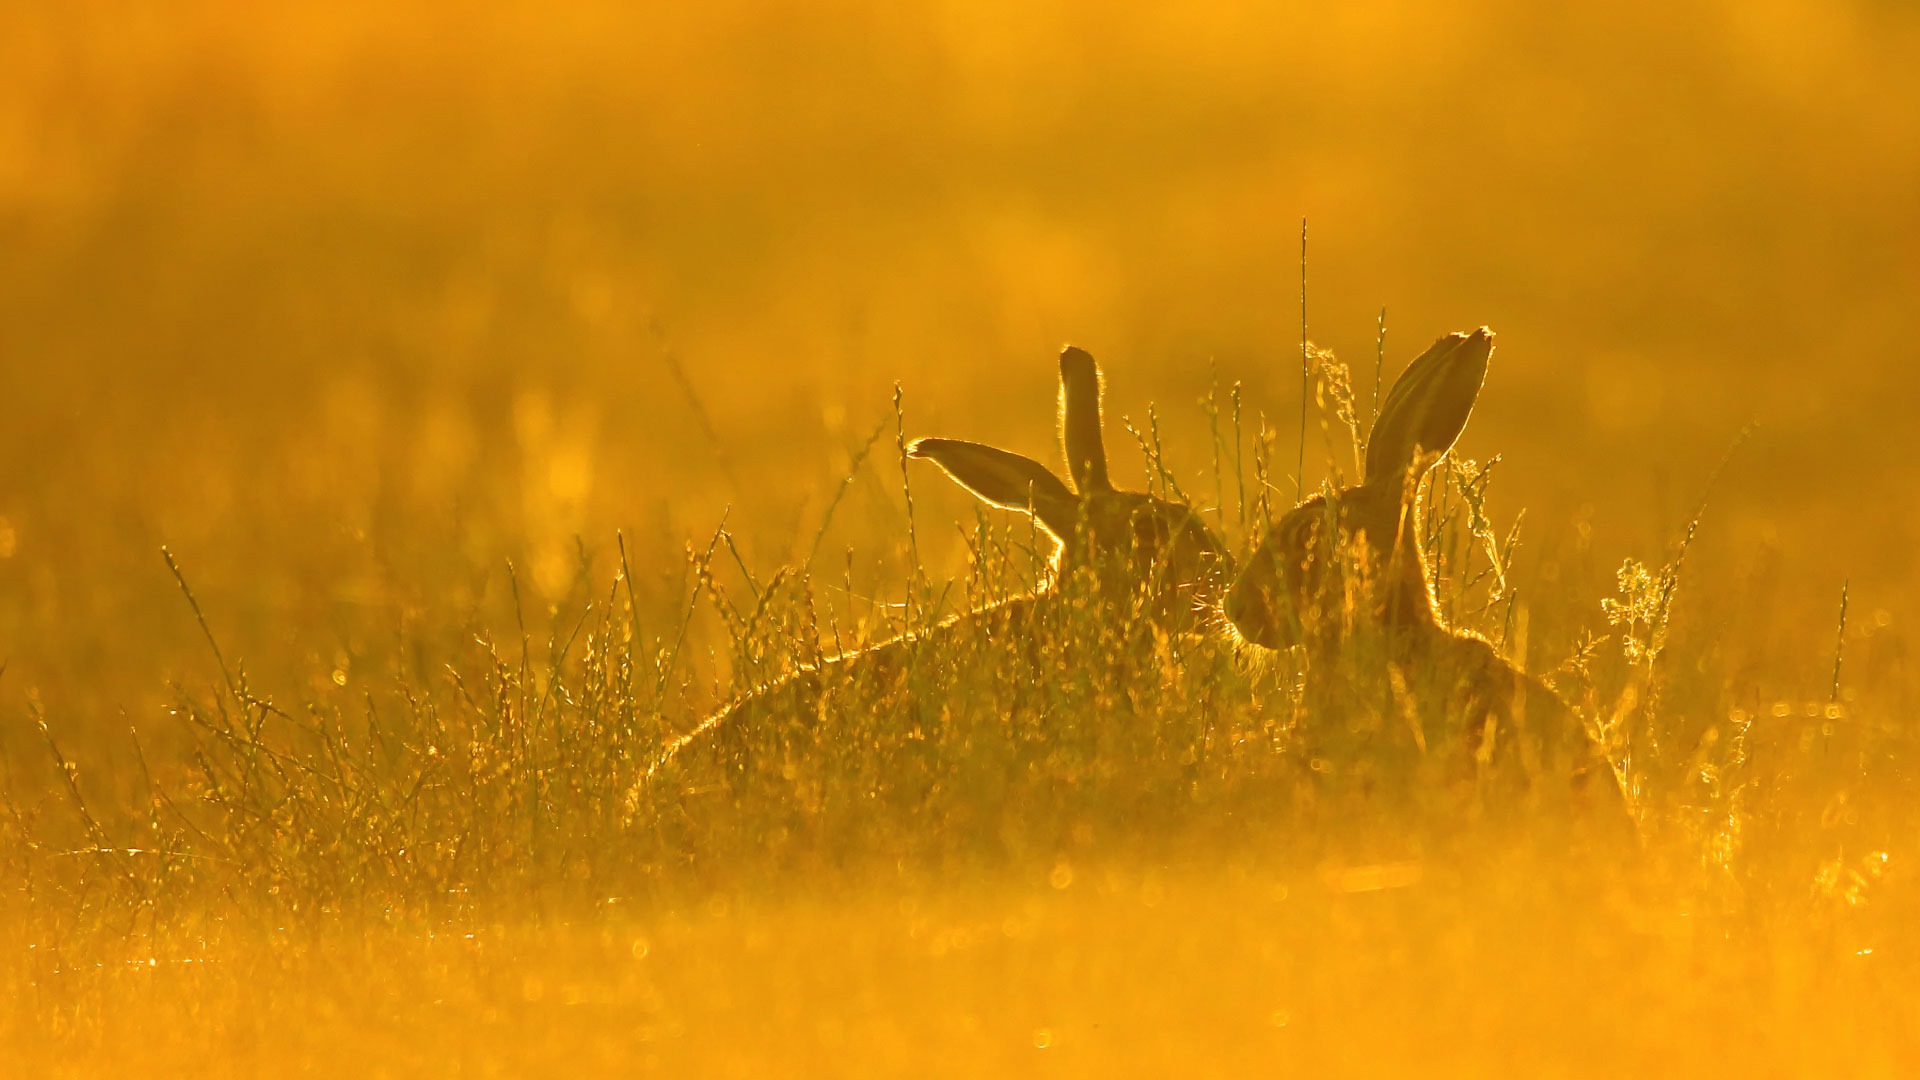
<point x="415" y="418"/>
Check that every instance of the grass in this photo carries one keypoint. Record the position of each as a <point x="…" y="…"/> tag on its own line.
<point x="1092" y="841"/>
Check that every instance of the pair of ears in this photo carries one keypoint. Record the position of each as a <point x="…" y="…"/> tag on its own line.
<point x="1420" y="420"/>
<point x="1020" y="483"/>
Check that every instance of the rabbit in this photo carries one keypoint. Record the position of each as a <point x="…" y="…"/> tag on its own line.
<point x="1136" y="560"/>
<point x="1342" y="576"/>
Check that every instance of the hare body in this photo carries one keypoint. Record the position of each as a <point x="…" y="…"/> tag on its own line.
<point x="1139" y="563"/>
<point x="1342" y="576"/>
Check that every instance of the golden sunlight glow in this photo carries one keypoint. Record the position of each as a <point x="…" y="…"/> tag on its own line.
<point x="566" y="659"/>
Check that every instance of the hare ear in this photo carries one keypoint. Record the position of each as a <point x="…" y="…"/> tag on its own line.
<point x="1080" y="421"/>
<point x="1428" y="406"/>
<point x="1006" y="480"/>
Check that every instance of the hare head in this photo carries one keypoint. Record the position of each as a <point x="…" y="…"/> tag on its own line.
<point x="1352" y="557"/>
<point x="1136" y="549"/>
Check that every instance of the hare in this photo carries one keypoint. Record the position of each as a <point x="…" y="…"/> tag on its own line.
<point x="1342" y="576"/>
<point x="1134" y="560"/>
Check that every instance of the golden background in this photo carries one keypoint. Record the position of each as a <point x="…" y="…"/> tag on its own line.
<point x="277" y="279"/>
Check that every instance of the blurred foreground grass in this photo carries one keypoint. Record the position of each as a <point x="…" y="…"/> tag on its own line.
<point x="1081" y="969"/>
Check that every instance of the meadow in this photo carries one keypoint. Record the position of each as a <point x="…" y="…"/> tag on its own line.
<point x="413" y="420"/>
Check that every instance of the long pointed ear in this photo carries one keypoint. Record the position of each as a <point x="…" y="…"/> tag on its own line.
<point x="1080" y="421"/>
<point x="1428" y="407"/>
<point x="1004" y="479"/>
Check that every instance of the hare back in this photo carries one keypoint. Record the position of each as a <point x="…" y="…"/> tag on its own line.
<point x="814" y="718"/>
<point x="1447" y="725"/>
<point x="1522" y="735"/>
<point x="836" y="756"/>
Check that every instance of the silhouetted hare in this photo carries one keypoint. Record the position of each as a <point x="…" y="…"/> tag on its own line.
<point x="1142" y="553"/>
<point x="1342" y="575"/>
<point x="1129" y="557"/>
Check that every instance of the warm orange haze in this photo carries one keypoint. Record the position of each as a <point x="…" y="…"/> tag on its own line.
<point x="567" y="657"/>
